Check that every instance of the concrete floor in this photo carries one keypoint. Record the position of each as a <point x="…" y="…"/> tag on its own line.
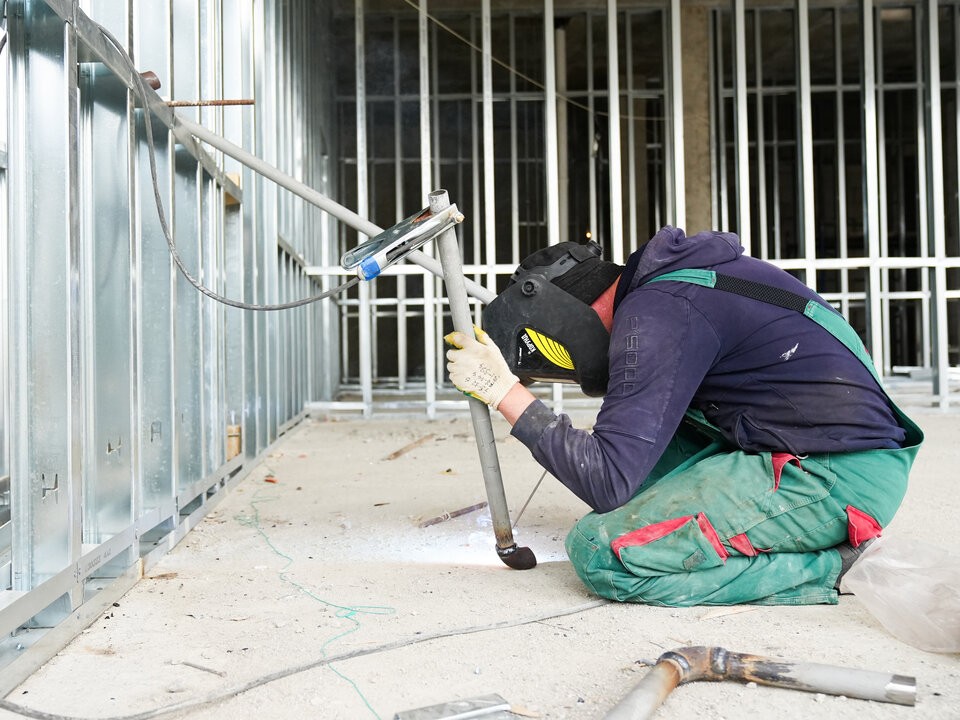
<point x="319" y="553"/>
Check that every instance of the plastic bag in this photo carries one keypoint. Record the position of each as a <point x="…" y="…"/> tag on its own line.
<point x="913" y="589"/>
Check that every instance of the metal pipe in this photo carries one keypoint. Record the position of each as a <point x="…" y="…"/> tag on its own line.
<point x="519" y="558"/>
<point x="689" y="664"/>
<point x="314" y="197"/>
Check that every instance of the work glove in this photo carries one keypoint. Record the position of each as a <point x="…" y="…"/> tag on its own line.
<point x="477" y="367"/>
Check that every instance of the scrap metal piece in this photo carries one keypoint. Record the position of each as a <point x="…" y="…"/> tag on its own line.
<point x="490" y="707"/>
<point x="410" y="446"/>
<point x="452" y="514"/>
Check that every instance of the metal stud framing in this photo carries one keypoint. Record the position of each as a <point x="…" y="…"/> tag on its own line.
<point x="125" y="383"/>
<point x="883" y="262"/>
<point x="513" y="210"/>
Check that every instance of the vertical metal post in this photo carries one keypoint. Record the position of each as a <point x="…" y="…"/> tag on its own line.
<point x="872" y="160"/>
<point x="398" y="154"/>
<point x="592" y="139"/>
<point x="677" y="160"/>
<point x="763" y="246"/>
<point x="45" y="447"/>
<point x="719" y="139"/>
<point x="6" y="426"/>
<point x="632" y="141"/>
<point x="841" y="176"/>
<point x="550" y="125"/>
<point x="426" y="183"/>
<point x="104" y="367"/>
<point x="743" y="139"/>
<point x="363" y="312"/>
<point x="883" y="288"/>
<point x="924" y="181"/>
<point x="563" y="159"/>
<point x="550" y="146"/>
<point x="489" y="200"/>
<point x="519" y="558"/>
<point x="938" y="325"/>
<point x="613" y="106"/>
<point x="514" y="156"/>
<point x="808" y="217"/>
<point x="476" y="162"/>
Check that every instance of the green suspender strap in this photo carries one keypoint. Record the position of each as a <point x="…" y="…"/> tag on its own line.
<point x="827" y="318"/>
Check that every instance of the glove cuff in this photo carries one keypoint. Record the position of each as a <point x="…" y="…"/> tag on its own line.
<point x="500" y="389"/>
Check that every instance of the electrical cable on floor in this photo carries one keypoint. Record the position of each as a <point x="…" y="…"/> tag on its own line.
<point x="143" y="92"/>
<point x="231" y="693"/>
<point x="343" y="612"/>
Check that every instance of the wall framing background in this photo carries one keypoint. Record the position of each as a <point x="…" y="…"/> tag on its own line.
<point x="809" y="138"/>
<point x="826" y="133"/>
<point x="121" y="381"/>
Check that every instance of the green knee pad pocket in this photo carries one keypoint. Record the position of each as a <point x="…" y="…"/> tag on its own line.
<point x="680" y="545"/>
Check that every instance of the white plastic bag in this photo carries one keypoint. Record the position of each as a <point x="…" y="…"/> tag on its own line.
<point x="913" y="589"/>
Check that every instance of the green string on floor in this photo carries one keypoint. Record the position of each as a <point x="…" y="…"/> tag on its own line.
<point x="352" y="613"/>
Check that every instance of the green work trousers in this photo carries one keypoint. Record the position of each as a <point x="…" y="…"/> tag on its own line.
<point x="714" y="525"/>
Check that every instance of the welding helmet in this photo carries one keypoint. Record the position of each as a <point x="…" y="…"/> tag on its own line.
<point x="543" y="323"/>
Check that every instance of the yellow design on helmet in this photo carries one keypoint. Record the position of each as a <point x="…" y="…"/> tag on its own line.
<point x="551" y="349"/>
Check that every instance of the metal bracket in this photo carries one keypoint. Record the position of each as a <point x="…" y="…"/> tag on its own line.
<point x="47" y="489"/>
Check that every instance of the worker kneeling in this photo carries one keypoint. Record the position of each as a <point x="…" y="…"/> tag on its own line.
<point x="745" y="450"/>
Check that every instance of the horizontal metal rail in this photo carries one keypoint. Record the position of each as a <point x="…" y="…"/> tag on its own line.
<point x="314" y="197"/>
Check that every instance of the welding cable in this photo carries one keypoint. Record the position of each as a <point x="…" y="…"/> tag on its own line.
<point x="230" y="693"/>
<point x="142" y="90"/>
<point x="532" y="493"/>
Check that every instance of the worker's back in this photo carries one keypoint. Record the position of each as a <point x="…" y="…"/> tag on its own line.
<point x="770" y="378"/>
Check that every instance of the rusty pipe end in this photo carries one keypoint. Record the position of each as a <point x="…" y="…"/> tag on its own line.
<point x="697" y="662"/>
<point x="151" y="78"/>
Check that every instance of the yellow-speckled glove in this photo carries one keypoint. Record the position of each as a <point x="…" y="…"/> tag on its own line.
<point x="477" y="367"/>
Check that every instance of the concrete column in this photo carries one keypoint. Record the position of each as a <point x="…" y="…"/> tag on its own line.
<point x="695" y="31"/>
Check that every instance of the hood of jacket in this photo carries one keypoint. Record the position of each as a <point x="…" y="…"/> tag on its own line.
<point x="670" y="249"/>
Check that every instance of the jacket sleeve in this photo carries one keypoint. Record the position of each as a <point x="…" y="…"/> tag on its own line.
<point x="661" y="348"/>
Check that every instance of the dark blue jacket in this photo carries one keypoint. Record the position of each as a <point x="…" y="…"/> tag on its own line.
<point x="769" y="378"/>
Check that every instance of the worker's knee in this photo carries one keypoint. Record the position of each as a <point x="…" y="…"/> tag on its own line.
<point x="591" y="557"/>
<point x="598" y="566"/>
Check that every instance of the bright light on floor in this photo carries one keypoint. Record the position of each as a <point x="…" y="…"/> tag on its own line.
<point x="462" y="541"/>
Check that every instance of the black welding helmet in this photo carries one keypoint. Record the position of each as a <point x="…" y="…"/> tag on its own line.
<point x="543" y="322"/>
